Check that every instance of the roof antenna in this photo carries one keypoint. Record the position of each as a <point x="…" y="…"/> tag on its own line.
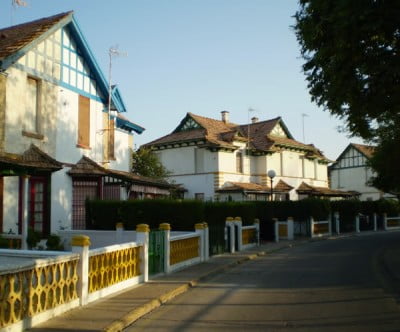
<point x="303" y="115"/>
<point x="112" y="52"/>
<point x="250" y="110"/>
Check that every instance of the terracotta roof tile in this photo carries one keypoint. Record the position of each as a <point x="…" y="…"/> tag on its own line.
<point x="14" y="38"/>
<point x="243" y="186"/>
<point x="223" y="134"/>
<point x="366" y="150"/>
<point x="305" y="188"/>
<point x="282" y="186"/>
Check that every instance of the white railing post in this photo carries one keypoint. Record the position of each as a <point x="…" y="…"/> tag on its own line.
<point x="312" y="226"/>
<point x="290" y="228"/>
<point x="238" y="224"/>
<point x="80" y="244"/>
<point x="206" y="242"/>
<point x="199" y="229"/>
<point x="167" y="245"/>
<point x="229" y="222"/>
<point x="25" y="221"/>
<point x="119" y="230"/>
<point x="337" y="222"/>
<point x="257" y="224"/>
<point x="385" y="226"/>
<point x="142" y="236"/>
<point x="357" y="222"/>
<point x="375" y="219"/>
<point x="276" y="224"/>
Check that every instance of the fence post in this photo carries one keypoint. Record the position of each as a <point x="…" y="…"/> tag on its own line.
<point x="312" y="226"/>
<point x="238" y="224"/>
<point x="167" y="245"/>
<point x="199" y="229"/>
<point x="276" y="224"/>
<point x="290" y="228"/>
<point x="257" y="224"/>
<point x="231" y="231"/>
<point x="25" y="221"/>
<point x="119" y="232"/>
<point x="385" y="227"/>
<point x="330" y="224"/>
<point x="206" y="242"/>
<point x="337" y="222"/>
<point x="80" y="245"/>
<point x="142" y="236"/>
<point x="375" y="219"/>
<point x="357" y="222"/>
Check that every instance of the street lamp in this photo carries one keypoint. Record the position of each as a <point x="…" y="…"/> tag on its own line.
<point x="271" y="174"/>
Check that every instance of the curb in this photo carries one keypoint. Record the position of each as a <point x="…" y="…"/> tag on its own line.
<point x="142" y="310"/>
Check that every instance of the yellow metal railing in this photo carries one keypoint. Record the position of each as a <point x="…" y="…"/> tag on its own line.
<point x="110" y="268"/>
<point x="283" y="230"/>
<point x="30" y="292"/>
<point x="321" y="228"/>
<point x="248" y="235"/>
<point x="393" y="222"/>
<point x="184" y="249"/>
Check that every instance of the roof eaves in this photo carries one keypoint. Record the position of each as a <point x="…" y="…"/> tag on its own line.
<point x="128" y="125"/>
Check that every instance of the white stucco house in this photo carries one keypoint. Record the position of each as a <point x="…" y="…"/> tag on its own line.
<point x="350" y="172"/>
<point x="219" y="160"/>
<point x="60" y="142"/>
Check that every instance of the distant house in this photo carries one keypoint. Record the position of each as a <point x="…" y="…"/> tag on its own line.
<point x="220" y="160"/>
<point x="59" y="144"/>
<point x="350" y="172"/>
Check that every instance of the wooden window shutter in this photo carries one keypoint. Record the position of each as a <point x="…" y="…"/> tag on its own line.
<point x="111" y="142"/>
<point x="84" y="122"/>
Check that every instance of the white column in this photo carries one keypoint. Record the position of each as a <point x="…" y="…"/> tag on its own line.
<point x="167" y="247"/>
<point x="312" y="226"/>
<point x="375" y="219"/>
<point x="385" y="226"/>
<point x="80" y="244"/>
<point x="276" y="224"/>
<point x="257" y="224"/>
<point x="238" y="224"/>
<point x="337" y="222"/>
<point x="142" y="236"/>
<point x="206" y="242"/>
<point x="25" y="221"/>
<point x="119" y="230"/>
<point x="357" y="222"/>
<point x="199" y="229"/>
<point x="290" y="228"/>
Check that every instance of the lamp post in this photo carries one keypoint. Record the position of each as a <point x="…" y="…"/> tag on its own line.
<point x="271" y="174"/>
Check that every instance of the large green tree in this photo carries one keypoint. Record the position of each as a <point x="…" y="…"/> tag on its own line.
<point x="352" y="65"/>
<point x="146" y="163"/>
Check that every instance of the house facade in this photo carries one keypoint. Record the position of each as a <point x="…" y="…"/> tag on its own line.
<point x="63" y="137"/>
<point x="351" y="172"/>
<point x="219" y="160"/>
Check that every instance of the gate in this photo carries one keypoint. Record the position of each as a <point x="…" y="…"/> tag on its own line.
<point x="156" y="251"/>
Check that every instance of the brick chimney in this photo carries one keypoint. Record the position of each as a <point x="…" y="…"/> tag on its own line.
<point x="225" y="116"/>
<point x="254" y="119"/>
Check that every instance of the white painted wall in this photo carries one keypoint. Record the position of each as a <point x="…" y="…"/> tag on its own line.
<point x="10" y="203"/>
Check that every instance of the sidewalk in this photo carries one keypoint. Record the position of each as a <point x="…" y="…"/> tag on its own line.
<point x="116" y="312"/>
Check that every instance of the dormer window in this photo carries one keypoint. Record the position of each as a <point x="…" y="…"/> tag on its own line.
<point x="278" y="131"/>
<point x="189" y="125"/>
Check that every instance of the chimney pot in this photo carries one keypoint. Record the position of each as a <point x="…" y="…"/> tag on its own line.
<point x="254" y="119"/>
<point x="225" y="116"/>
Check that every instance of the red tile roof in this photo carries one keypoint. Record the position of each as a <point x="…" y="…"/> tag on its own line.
<point x="282" y="186"/>
<point x="366" y="150"/>
<point x="244" y="186"/>
<point x="223" y="134"/>
<point x="305" y="188"/>
<point x="15" y="38"/>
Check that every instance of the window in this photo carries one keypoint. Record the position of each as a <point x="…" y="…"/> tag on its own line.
<point x="111" y="138"/>
<point x="31" y="116"/>
<point x="239" y="162"/>
<point x="38" y="204"/>
<point x="82" y="189"/>
<point x="199" y="160"/>
<point x="84" y="122"/>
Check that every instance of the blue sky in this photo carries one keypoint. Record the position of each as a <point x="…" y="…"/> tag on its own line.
<point x="199" y="56"/>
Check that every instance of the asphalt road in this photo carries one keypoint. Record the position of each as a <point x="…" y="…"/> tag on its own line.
<point x="334" y="285"/>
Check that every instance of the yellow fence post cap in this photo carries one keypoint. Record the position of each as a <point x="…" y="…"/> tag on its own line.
<point x="142" y="228"/>
<point x="238" y="219"/>
<point x="205" y="224"/>
<point x="119" y="225"/>
<point x="229" y="219"/>
<point x="80" y="241"/>
<point x="165" y="226"/>
<point x="199" y="226"/>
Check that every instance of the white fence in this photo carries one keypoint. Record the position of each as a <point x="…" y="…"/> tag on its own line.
<point x="240" y="237"/>
<point x="284" y="230"/>
<point x="321" y="227"/>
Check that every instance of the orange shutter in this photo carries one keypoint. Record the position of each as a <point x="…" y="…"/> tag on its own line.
<point x="84" y="122"/>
